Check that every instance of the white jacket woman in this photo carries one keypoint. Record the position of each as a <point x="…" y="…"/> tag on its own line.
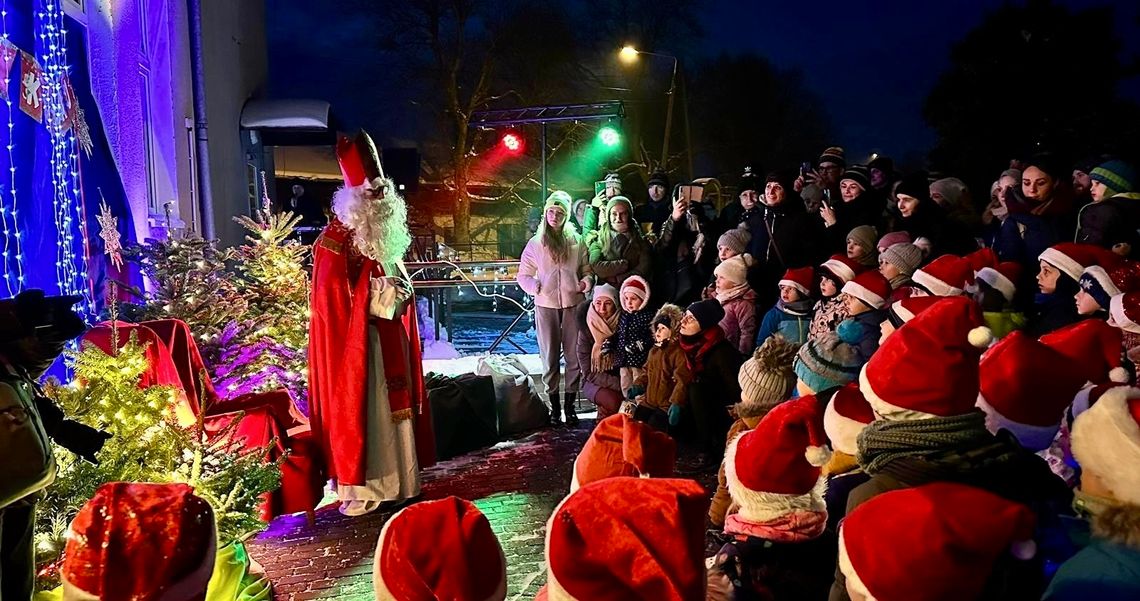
<point x="555" y="270"/>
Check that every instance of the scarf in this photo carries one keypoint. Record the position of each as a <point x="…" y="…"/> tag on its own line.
<point x="800" y="308"/>
<point x="732" y="293"/>
<point x="696" y="347"/>
<point x="794" y="527"/>
<point x="884" y="441"/>
<point x="601" y="329"/>
<point x="899" y="281"/>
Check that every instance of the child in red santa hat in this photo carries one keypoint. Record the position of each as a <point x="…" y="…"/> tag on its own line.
<point x="867" y="296"/>
<point x="938" y="542"/>
<point x="996" y="293"/>
<point x="900" y="312"/>
<point x="140" y="542"/>
<point x="634" y="338"/>
<point x="791" y="316"/>
<point x="831" y="308"/>
<point x="1061" y="266"/>
<point x="627" y="538"/>
<point x="846" y="415"/>
<point x="623" y="446"/>
<point x="780" y="545"/>
<point x="460" y="560"/>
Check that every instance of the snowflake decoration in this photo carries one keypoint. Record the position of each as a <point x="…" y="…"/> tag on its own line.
<point x="83" y="132"/>
<point x="109" y="232"/>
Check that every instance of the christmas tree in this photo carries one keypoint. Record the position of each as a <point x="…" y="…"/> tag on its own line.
<point x="147" y="445"/>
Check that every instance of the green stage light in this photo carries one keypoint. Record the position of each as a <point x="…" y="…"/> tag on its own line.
<point x="609" y="136"/>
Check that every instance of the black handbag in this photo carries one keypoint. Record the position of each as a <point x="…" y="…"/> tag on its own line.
<point x="29" y="463"/>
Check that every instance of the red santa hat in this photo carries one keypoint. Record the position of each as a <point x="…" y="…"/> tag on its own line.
<point x="982" y="258"/>
<point x="637" y="286"/>
<point x="1092" y="346"/>
<point x="1106" y="442"/>
<point x="870" y="287"/>
<point x="1002" y="278"/>
<point x="461" y="559"/>
<point x="842" y="268"/>
<point x="1124" y="311"/>
<point x="1025" y="388"/>
<point x="846" y="415"/>
<point x="937" y="542"/>
<point x="359" y="160"/>
<point x="628" y="538"/>
<point x="1072" y="258"/>
<point x="929" y="367"/>
<point x="905" y="309"/>
<point x="799" y="278"/>
<point x="776" y="465"/>
<point x="947" y="275"/>
<point x="623" y="446"/>
<point x="140" y="542"/>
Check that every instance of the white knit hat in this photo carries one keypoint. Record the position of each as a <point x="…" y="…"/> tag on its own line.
<point x="767" y="379"/>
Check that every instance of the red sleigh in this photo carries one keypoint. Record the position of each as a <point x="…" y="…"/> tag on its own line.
<point x="268" y="420"/>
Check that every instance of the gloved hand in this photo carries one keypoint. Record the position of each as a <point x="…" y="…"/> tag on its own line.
<point x="635" y="391"/>
<point x="674" y="415"/>
<point x="81" y="439"/>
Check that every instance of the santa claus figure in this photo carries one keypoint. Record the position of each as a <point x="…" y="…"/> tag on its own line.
<point x="365" y="365"/>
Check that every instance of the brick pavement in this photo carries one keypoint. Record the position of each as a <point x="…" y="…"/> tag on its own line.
<point x="516" y="484"/>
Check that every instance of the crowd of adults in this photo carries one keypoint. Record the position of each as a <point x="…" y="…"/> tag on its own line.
<point x="910" y="394"/>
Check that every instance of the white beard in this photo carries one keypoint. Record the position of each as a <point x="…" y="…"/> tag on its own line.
<point x="379" y="226"/>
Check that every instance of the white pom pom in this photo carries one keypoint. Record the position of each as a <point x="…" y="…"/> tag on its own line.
<point x="981" y="337"/>
<point x="818" y="456"/>
<point x="1118" y="374"/>
<point x="1023" y="549"/>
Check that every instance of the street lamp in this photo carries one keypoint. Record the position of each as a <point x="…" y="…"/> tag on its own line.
<point x="628" y="54"/>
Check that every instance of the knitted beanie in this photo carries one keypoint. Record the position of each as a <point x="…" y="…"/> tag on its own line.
<point x="915" y="185"/>
<point x="826" y="362"/>
<point x="865" y="236"/>
<point x="833" y="154"/>
<point x="735" y="240"/>
<point x="767" y="379"/>
<point x="1096" y="282"/>
<point x="858" y="174"/>
<point x="905" y="257"/>
<point x="558" y="198"/>
<point x="1119" y="177"/>
<point x="893" y="238"/>
<point x="659" y="178"/>
<point x="735" y="269"/>
<point x="708" y="312"/>
<point x="750" y="181"/>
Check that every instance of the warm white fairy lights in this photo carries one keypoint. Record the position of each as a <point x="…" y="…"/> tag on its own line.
<point x="11" y="252"/>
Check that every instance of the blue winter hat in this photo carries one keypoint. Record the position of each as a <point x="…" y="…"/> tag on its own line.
<point x="826" y="362"/>
<point x="1096" y="282"/>
<point x="1116" y="175"/>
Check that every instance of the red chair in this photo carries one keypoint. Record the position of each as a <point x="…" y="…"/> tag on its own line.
<point x="268" y="419"/>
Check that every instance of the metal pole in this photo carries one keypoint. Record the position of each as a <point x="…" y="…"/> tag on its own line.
<point x="669" y="116"/>
<point x="201" y="129"/>
<point x="542" y="195"/>
<point x="685" y="115"/>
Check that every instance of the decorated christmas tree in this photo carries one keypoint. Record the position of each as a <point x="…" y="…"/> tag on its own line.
<point x="147" y="445"/>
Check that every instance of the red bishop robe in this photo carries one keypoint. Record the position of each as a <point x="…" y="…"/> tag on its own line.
<point x="338" y="355"/>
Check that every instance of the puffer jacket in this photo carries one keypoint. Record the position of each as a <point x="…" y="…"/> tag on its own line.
<point x="554" y="285"/>
<point x="625" y="255"/>
<point x="739" y="323"/>
<point x="1111" y="221"/>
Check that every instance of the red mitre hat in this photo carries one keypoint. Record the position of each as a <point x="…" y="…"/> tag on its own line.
<point x="359" y="160"/>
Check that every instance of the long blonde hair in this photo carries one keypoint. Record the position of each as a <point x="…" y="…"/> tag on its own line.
<point x="559" y="243"/>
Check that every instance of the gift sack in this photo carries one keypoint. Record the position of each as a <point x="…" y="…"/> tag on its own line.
<point x="516" y="403"/>
<point x="462" y="413"/>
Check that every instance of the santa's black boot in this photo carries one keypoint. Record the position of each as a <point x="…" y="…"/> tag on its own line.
<point x="555" y="411"/>
<point x="571" y="416"/>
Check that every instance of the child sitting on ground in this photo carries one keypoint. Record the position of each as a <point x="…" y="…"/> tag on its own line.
<point x="791" y="316"/>
<point x="739" y="302"/>
<point x="666" y="379"/>
<point x="866" y="301"/>
<point x="997" y="289"/>
<point x="831" y="308"/>
<point x="766" y="380"/>
<point x="633" y="336"/>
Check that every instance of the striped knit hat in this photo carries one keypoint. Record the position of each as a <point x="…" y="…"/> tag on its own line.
<point x="767" y="379"/>
<point x="1119" y="177"/>
<point x="826" y="362"/>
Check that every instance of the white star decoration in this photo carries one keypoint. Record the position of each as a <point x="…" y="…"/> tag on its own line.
<point x="109" y="232"/>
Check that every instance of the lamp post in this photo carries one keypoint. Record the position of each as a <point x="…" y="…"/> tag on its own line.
<point x="629" y="54"/>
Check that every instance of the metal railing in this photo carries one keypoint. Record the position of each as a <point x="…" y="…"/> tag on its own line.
<point x="441" y="291"/>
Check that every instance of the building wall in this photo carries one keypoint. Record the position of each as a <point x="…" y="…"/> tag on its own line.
<point x="236" y="70"/>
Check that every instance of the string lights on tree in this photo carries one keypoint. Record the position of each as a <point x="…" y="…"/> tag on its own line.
<point x="11" y="253"/>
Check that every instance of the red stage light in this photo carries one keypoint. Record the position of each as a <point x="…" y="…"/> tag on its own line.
<point x="513" y="143"/>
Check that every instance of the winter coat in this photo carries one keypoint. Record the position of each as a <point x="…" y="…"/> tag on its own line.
<point x="592" y="381"/>
<point x="653" y="213"/>
<point x="1002" y="467"/>
<point x="553" y="284"/>
<point x="946" y="234"/>
<point x="739" y="323"/>
<point x="633" y="338"/>
<point x="1111" y="221"/>
<point x="667" y="375"/>
<point x="862" y="331"/>
<point x="678" y="272"/>
<point x="826" y="315"/>
<point x="783" y="571"/>
<point x="722" y="501"/>
<point x="1022" y="238"/>
<point x="623" y="256"/>
<point x="717" y="383"/>
<point x="793" y="242"/>
<point x="1104" y="570"/>
<point x="865" y="209"/>
<point x="1054" y="311"/>
<point x="793" y="322"/>
<point x="839" y="487"/>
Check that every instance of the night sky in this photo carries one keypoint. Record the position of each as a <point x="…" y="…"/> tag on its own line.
<point x="872" y="63"/>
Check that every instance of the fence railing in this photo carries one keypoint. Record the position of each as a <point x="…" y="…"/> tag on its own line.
<point x="441" y="292"/>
